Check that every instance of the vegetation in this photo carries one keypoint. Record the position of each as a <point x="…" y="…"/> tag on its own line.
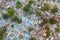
<point x="58" y="0"/>
<point x="20" y="36"/>
<point x="32" y="38"/>
<point x="1" y="37"/>
<point x="57" y="29"/>
<point x="18" y="5"/>
<point x="30" y="1"/>
<point x="2" y="31"/>
<point x="47" y="28"/>
<point x="48" y="33"/>
<point x="19" y="20"/>
<point x="5" y="16"/>
<point x="31" y="12"/>
<point x="12" y="25"/>
<point x="11" y="11"/>
<point x="38" y="13"/>
<point x="55" y="9"/>
<point x="46" y="20"/>
<point x="5" y="34"/>
<point x="46" y="7"/>
<point x="30" y="29"/>
<point x="27" y="7"/>
<point x="53" y="20"/>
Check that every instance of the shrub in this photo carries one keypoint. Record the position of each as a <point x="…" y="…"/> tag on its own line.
<point x="10" y="11"/>
<point x="19" y="20"/>
<point x="38" y="13"/>
<point x="31" y="12"/>
<point x="55" y="9"/>
<point x="12" y="25"/>
<point x="18" y="4"/>
<point x="5" y="16"/>
<point x="30" y="1"/>
<point x="32" y="38"/>
<point x="20" y="36"/>
<point x="14" y="18"/>
<point x="46" y="20"/>
<point x="2" y="30"/>
<point x="46" y="7"/>
<point x="57" y="29"/>
<point x="53" y="20"/>
<point x="47" y="28"/>
<point x="30" y="29"/>
<point x="48" y="33"/>
<point x="27" y="7"/>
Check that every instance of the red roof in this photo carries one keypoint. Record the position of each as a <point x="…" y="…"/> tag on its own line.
<point x="56" y="15"/>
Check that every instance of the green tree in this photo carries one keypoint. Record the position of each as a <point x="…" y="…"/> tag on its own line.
<point x="47" y="28"/>
<point x="19" y="20"/>
<point x="15" y="18"/>
<point x="11" y="11"/>
<point x="38" y="13"/>
<point x="46" y="7"/>
<point x="27" y="7"/>
<point x="31" y="1"/>
<point x="48" y="32"/>
<point x="53" y="20"/>
<point x="57" y="29"/>
<point x="46" y="20"/>
<point x="55" y="9"/>
<point x="20" y="36"/>
<point x="31" y="12"/>
<point x="32" y="38"/>
<point x="30" y="29"/>
<point x="18" y="4"/>
<point x="5" y="16"/>
<point x="2" y="31"/>
<point x="12" y="25"/>
<point x="58" y="0"/>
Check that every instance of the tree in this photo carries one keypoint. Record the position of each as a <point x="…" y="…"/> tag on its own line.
<point x="30" y="1"/>
<point x="12" y="25"/>
<point x="30" y="29"/>
<point x="46" y="7"/>
<point x="11" y="11"/>
<point x="27" y="7"/>
<point x="57" y="29"/>
<point x="48" y="33"/>
<point x="32" y="38"/>
<point x="2" y="31"/>
<point x="19" y="20"/>
<point x="31" y="12"/>
<point x="38" y="13"/>
<point x="18" y="4"/>
<point x="55" y="9"/>
<point x="53" y="20"/>
<point x="58" y="0"/>
<point x="46" y="20"/>
<point x="5" y="16"/>
<point x="15" y="18"/>
<point x="47" y="28"/>
<point x="20" y="36"/>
